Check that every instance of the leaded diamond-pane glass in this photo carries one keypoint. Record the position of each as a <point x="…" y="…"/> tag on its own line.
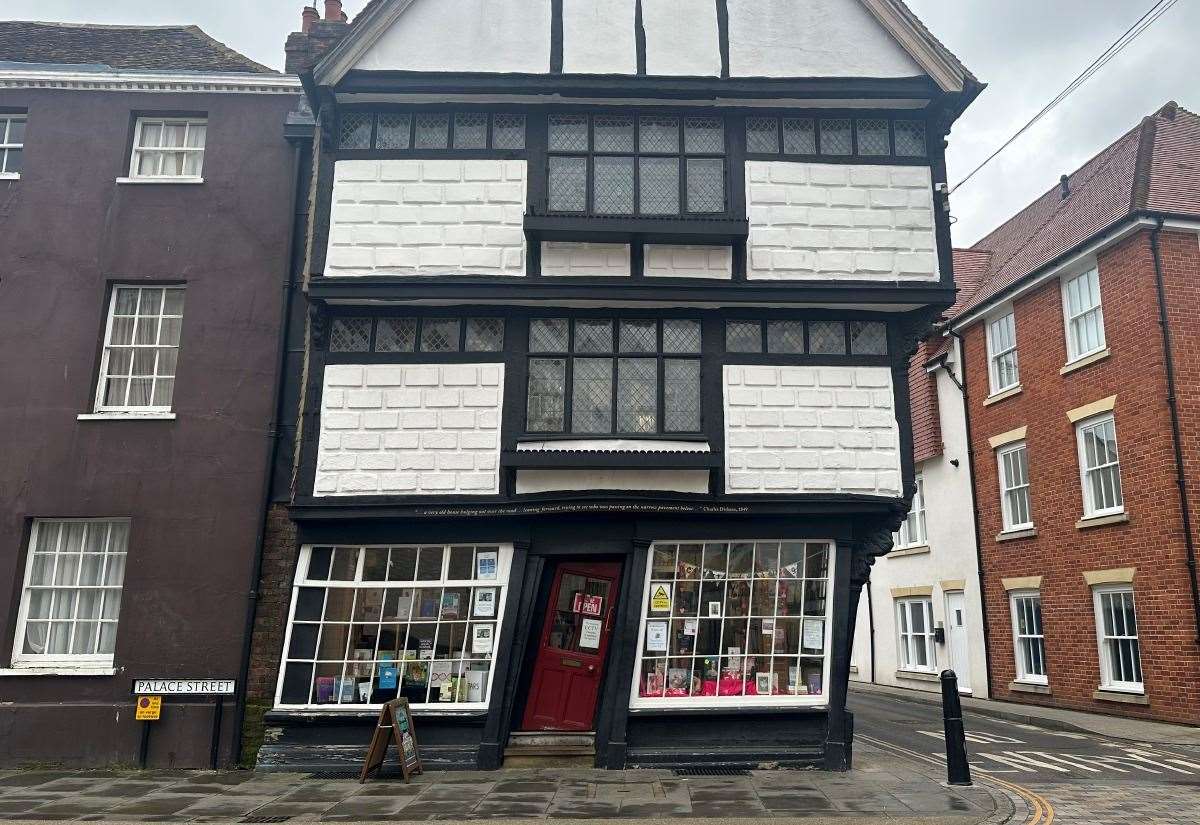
<point x="612" y="188"/>
<point x="910" y="138"/>
<point x="785" y="337"/>
<point x="681" y="335"/>
<point x="485" y="334"/>
<point x="762" y="135"/>
<point x="592" y="335"/>
<point x="873" y="137"/>
<point x="659" y="135"/>
<point x="350" y="335"/>
<point x="639" y="336"/>
<point x="548" y="335"/>
<point x="835" y="137"/>
<point x="827" y="337"/>
<point x="743" y="336"/>
<point x="393" y="131"/>
<point x="433" y="131"/>
<point x="681" y="395"/>
<point x="659" y="187"/>
<point x="799" y="136"/>
<point x="547" y="392"/>
<point x="568" y="133"/>
<point x="704" y="136"/>
<point x="439" y="335"/>
<point x="356" y="130"/>
<point x="470" y="130"/>
<point x="613" y="133"/>
<point x="396" y="335"/>
<point x="868" y="338"/>
<point x="508" y="131"/>
<point x="705" y="185"/>
<point x="591" y="396"/>
<point x="637" y="395"/>
<point x="568" y="184"/>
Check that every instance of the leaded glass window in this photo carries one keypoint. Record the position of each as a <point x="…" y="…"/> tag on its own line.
<point x="350" y="335"/>
<point x="785" y="337"/>
<point x="910" y="138"/>
<point x="868" y="338"/>
<point x="799" y="136"/>
<point x="762" y="135"/>
<point x="396" y="335"/>
<point x="470" y="130"/>
<point x="835" y="137"/>
<point x="432" y="131"/>
<point x="393" y="131"/>
<point x="827" y="337"/>
<point x="429" y="334"/>
<point x="873" y="138"/>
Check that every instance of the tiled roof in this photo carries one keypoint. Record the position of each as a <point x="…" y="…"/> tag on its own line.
<point x="1154" y="166"/>
<point x="131" y="48"/>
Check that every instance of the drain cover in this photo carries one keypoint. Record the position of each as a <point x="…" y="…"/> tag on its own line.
<point x="265" y="819"/>
<point x="711" y="772"/>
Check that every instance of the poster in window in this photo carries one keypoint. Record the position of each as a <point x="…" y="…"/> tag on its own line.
<point x="660" y="597"/>
<point x="690" y="626"/>
<point x="589" y="634"/>
<point x="714" y="610"/>
<point x="768" y="627"/>
<point x="481" y="639"/>
<point x="762" y="683"/>
<point x="440" y="673"/>
<point x="486" y="564"/>
<point x="656" y="637"/>
<point x="451" y="605"/>
<point x="426" y="648"/>
<point x="388" y="672"/>
<point x="814" y="634"/>
<point x="485" y="602"/>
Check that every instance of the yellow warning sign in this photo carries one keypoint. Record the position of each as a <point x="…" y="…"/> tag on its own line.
<point x="149" y="708"/>
<point x="660" y="598"/>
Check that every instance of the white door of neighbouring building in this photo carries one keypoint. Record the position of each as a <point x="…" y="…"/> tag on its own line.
<point x="956" y="638"/>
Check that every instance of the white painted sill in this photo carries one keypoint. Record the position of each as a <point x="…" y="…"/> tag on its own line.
<point x="140" y="181"/>
<point x="912" y="550"/>
<point x="126" y="416"/>
<point x="1019" y="533"/>
<point x="10" y="175"/>
<point x="1100" y="521"/>
<point x="1086" y="360"/>
<point x="1129" y="697"/>
<point x="1021" y="686"/>
<point x="918" y="675"/>
<point x="1000" y="396"/>
<point x="58" y="670"/>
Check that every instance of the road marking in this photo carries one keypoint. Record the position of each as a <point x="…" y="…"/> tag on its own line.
<point x="1023" y="761"/>
<point x="977" y="738"/>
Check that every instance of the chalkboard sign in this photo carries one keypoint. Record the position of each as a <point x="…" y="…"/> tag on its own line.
<point x="395" y="724"/>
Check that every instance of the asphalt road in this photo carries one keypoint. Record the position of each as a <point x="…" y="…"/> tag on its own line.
<point x="1021" y="753"/>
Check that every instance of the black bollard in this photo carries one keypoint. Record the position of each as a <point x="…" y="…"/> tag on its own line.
<point x="958" y="771"/>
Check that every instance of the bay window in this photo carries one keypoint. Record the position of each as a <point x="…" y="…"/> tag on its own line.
<point x="1028" y="639"/>
<point x="735" y="623"/>
<point x="1099" y="466"/>
<point x="914" y="621"/>
<point x="1002" y="353"/>
<point x="1117" y="634"/>
<point x="1013" y="461"/>
<point x="370" y="624"/>
<point x="1084" y="315"/>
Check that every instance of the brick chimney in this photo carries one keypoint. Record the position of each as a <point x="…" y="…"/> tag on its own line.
<point x="334" y="13"/>
<point x="316" y="36"/>
<point x="309" y="18"/>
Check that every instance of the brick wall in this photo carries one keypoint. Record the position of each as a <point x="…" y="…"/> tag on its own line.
<point x="691" y="261"/>
<point x="818" y="221"/>
<point x="426" y="217"/>
<point x="810" y="430"/>
<point x="1151" y="541"/>
<point x="585" y="259"/>
<point x="410" y="429"/>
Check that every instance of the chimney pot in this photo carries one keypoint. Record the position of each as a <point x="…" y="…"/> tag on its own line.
<point x="333" y="11"/>
<point x="309" y="18"/>
<point x="1064" y="184"/>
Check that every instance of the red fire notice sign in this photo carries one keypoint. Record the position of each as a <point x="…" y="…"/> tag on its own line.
<point x="149" y="709"/>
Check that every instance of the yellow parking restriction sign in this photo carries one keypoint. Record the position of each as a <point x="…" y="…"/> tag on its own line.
<point x="149" y="708"/>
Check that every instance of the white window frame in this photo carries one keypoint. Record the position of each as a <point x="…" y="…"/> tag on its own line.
<point x="904" y="538"/>
<point x="503" y="564"/>
<point x="1024" y="675"/>
<point x="905" y="661"/>
<point x="61" y="661"/>
<point x="1105" y="660"/>
<point x="637" y="701"/>
<point x="123" y="410"/>
<point x="1089" y="508"/>
<point x="1074" y="353"/>
<point x="6" y="119"/>
<point x="188" y="123"/>
<point x="1007" y="486"/>
<point x="995" y="353"/>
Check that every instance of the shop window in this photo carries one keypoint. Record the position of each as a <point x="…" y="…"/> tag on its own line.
<point x="1028" y="638"/>
<point x="370" y="624"/>
<point x="168" y="149"/>
<point x="141" y="350"/>
<point x="914" y="622"/>
<point x="72" y="594"/>
<point x="1117" y="634"/>
<point x="735" y="623"/>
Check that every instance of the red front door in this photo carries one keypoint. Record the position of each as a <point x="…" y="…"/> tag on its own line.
<point x="570" y="659"/>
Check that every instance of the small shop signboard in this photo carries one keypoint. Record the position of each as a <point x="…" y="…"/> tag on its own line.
<point x="184" y="687"/>
<point x="395" y="725"/>
<point x="588" y="605"/>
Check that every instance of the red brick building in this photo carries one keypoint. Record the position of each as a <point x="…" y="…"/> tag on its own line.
<point x="1082" y="359"/>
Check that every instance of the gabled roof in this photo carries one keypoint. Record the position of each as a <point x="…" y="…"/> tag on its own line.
<point x="1153" y="167"/>
<point x="133" y="48"/>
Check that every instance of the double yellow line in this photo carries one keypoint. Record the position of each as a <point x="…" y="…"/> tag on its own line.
<point x="1041" y="811"/>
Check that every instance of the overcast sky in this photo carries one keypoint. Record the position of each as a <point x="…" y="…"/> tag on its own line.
<point x="1025" y="50"/>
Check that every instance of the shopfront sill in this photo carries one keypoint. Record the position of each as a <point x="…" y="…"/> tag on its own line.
<point x="1013" y="535"/>
<point x="1029" y="687"/>
<point x="731" y="710"/>
<point x="1121" y="696"/>
<point x="917" y="675"/>
<point x="1000" y="396"/>
<point x="188" y="181"/>
<point x="64" y="670"/>
<point x="1101" y="521"/>
<point x="916" y="550"/>
<point x="336" y="717"/>
<point x="1085" y="361"/>
<point x="161" y="416"/>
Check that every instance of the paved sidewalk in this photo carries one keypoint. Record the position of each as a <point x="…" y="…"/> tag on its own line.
<point x="880" y="789"/>
<point x="1113" y="727"/>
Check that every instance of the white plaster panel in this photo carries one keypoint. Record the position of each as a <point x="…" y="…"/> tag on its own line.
<point x="681" y="37"/>
<point x="690" y="261"/>
<point x="465" y="36"/>
<point x="427" y="217"/>
<point x="565" y="258"/>
<point x="812" y="38"/>
<point x="410" y="429"/>
<point x="811" y="430"/>
<point x="598" y="37"/>
<point x="678" y="481"/>
<point x="824" y="221"/>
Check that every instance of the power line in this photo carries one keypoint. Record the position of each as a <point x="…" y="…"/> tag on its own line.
<point x="1144" y="22"/>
